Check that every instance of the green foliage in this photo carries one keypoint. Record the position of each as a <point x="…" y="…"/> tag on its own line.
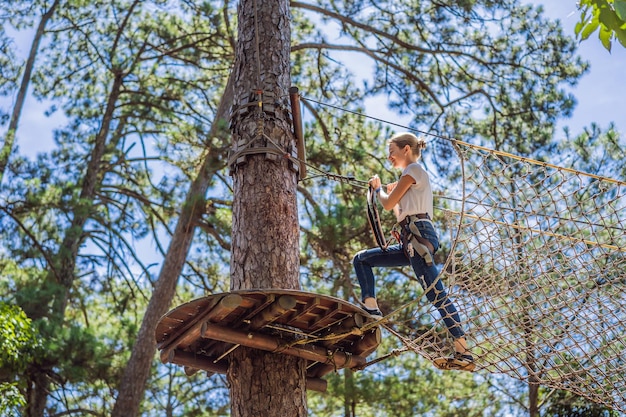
<point x="608" y="17"/>
<point x="78" y="352"/>
<point x="487" y="72"/>
<point x="8" y="68"/>
<point x="19" y="342"/>
<point x="595" y="150"/>
<point x="565" y="404"/>
<point x="11" y="400"/>
<point x="18" y="338"/>
<point x="405" y="386"/>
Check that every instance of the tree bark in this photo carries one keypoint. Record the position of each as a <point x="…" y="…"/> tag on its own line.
<point x="132" y="385"/>
<point x="265" y="232"/>
<point x="533" y="399"/>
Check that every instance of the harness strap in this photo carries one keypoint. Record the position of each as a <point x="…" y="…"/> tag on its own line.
<point x="413" y="241"/>
<point x="414" y="217"/>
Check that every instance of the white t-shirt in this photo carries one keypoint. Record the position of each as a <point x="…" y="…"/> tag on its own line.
<point x="419" y="197"/>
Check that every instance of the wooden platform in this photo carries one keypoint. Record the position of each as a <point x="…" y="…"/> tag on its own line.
<point x="328" y="332"/>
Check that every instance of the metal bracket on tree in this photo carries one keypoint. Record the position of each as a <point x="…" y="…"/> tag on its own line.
<point x="266" y="105"/>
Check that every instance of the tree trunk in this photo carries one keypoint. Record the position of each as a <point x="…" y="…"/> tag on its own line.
<point x="349" y="397"/>
<point x="132" y="385"/>
<point x="9" y="139"/>
<point x="61" y="277"/>
<point x="533" y="399"/>
<point x="36" y="393"/>
<point x="265" y="231"/>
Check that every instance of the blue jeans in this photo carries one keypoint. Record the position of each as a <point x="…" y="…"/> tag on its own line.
<point x="394" y="256"/>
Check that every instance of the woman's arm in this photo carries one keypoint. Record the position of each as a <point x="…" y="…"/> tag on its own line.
<point x="388" y="201"/>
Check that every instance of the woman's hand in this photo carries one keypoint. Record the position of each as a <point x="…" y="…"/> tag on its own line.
<point x="374" y="182"/>
<point x="391" y="186"/>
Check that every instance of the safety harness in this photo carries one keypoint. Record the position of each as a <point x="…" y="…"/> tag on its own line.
<point x="405" y="232"/>
<point x="412" y="240"/>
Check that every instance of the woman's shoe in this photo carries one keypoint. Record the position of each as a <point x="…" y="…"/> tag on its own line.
<point x="462" y="361"/>
<point x="458" y="362"/>
<point x="375" y="313"/>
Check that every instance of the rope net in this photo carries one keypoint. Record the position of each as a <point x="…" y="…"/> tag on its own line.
<point x="537" y="270"/>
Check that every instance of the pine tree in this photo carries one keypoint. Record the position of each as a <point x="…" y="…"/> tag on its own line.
<point x="265" y="235"/>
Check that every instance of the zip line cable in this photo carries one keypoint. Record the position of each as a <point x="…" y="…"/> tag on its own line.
<point x="529" y="243"/>
<point x="513" y="236"/>
<point x="351" y="180"/>
<point x="459" y="142"/>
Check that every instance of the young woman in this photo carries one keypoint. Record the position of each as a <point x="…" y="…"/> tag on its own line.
<point x="411" y="199"/>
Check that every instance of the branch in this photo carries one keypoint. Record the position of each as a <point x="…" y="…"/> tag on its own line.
<point x="394" y="39"/>
<point x="41" y="249"/>
<point x="409" y="75"/>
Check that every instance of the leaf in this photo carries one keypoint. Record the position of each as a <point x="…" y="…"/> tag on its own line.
<point x="620" y="9"/>
<point x="620" y="34"/>
<point x="605" y="37"/>
<point x="590" y="27"/>
<point x="609" y="19"/>
<point x="578" y="28"/>
<point x="581" y="23"/>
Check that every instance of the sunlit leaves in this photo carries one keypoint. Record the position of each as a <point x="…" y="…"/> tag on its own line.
<point x="17" y="338"/>
<point x="608" y="17"/>
<point x="473" y="70"/>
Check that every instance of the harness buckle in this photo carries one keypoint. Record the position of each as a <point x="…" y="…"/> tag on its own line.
<point x="412" y="241"/>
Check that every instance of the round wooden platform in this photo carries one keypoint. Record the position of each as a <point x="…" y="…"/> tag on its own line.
<point x="328" y="332"/>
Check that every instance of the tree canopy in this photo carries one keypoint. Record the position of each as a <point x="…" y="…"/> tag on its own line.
<point x="129" y="213"/>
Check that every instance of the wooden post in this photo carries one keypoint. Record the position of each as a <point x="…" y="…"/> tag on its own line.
<point x="296" y="117"/>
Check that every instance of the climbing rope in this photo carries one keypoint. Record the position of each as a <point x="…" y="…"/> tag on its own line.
<point x="537" y="270"/>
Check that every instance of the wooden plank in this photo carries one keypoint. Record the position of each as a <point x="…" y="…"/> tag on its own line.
<point x="166" y="327"/>
<point x="271" y="344"/>
<point x="271" y="313"/>
<point x="310" y="306"/>
<point x="333" y="315"/>
<point x="181" y="313"/>
<point x="269" y="299"/>
<point x="191" y="331"/>
<point x="205" y="363"/>
<point x="189" y="310"/>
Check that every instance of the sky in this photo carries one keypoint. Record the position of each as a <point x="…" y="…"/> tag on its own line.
<point x="600" y="93"/>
